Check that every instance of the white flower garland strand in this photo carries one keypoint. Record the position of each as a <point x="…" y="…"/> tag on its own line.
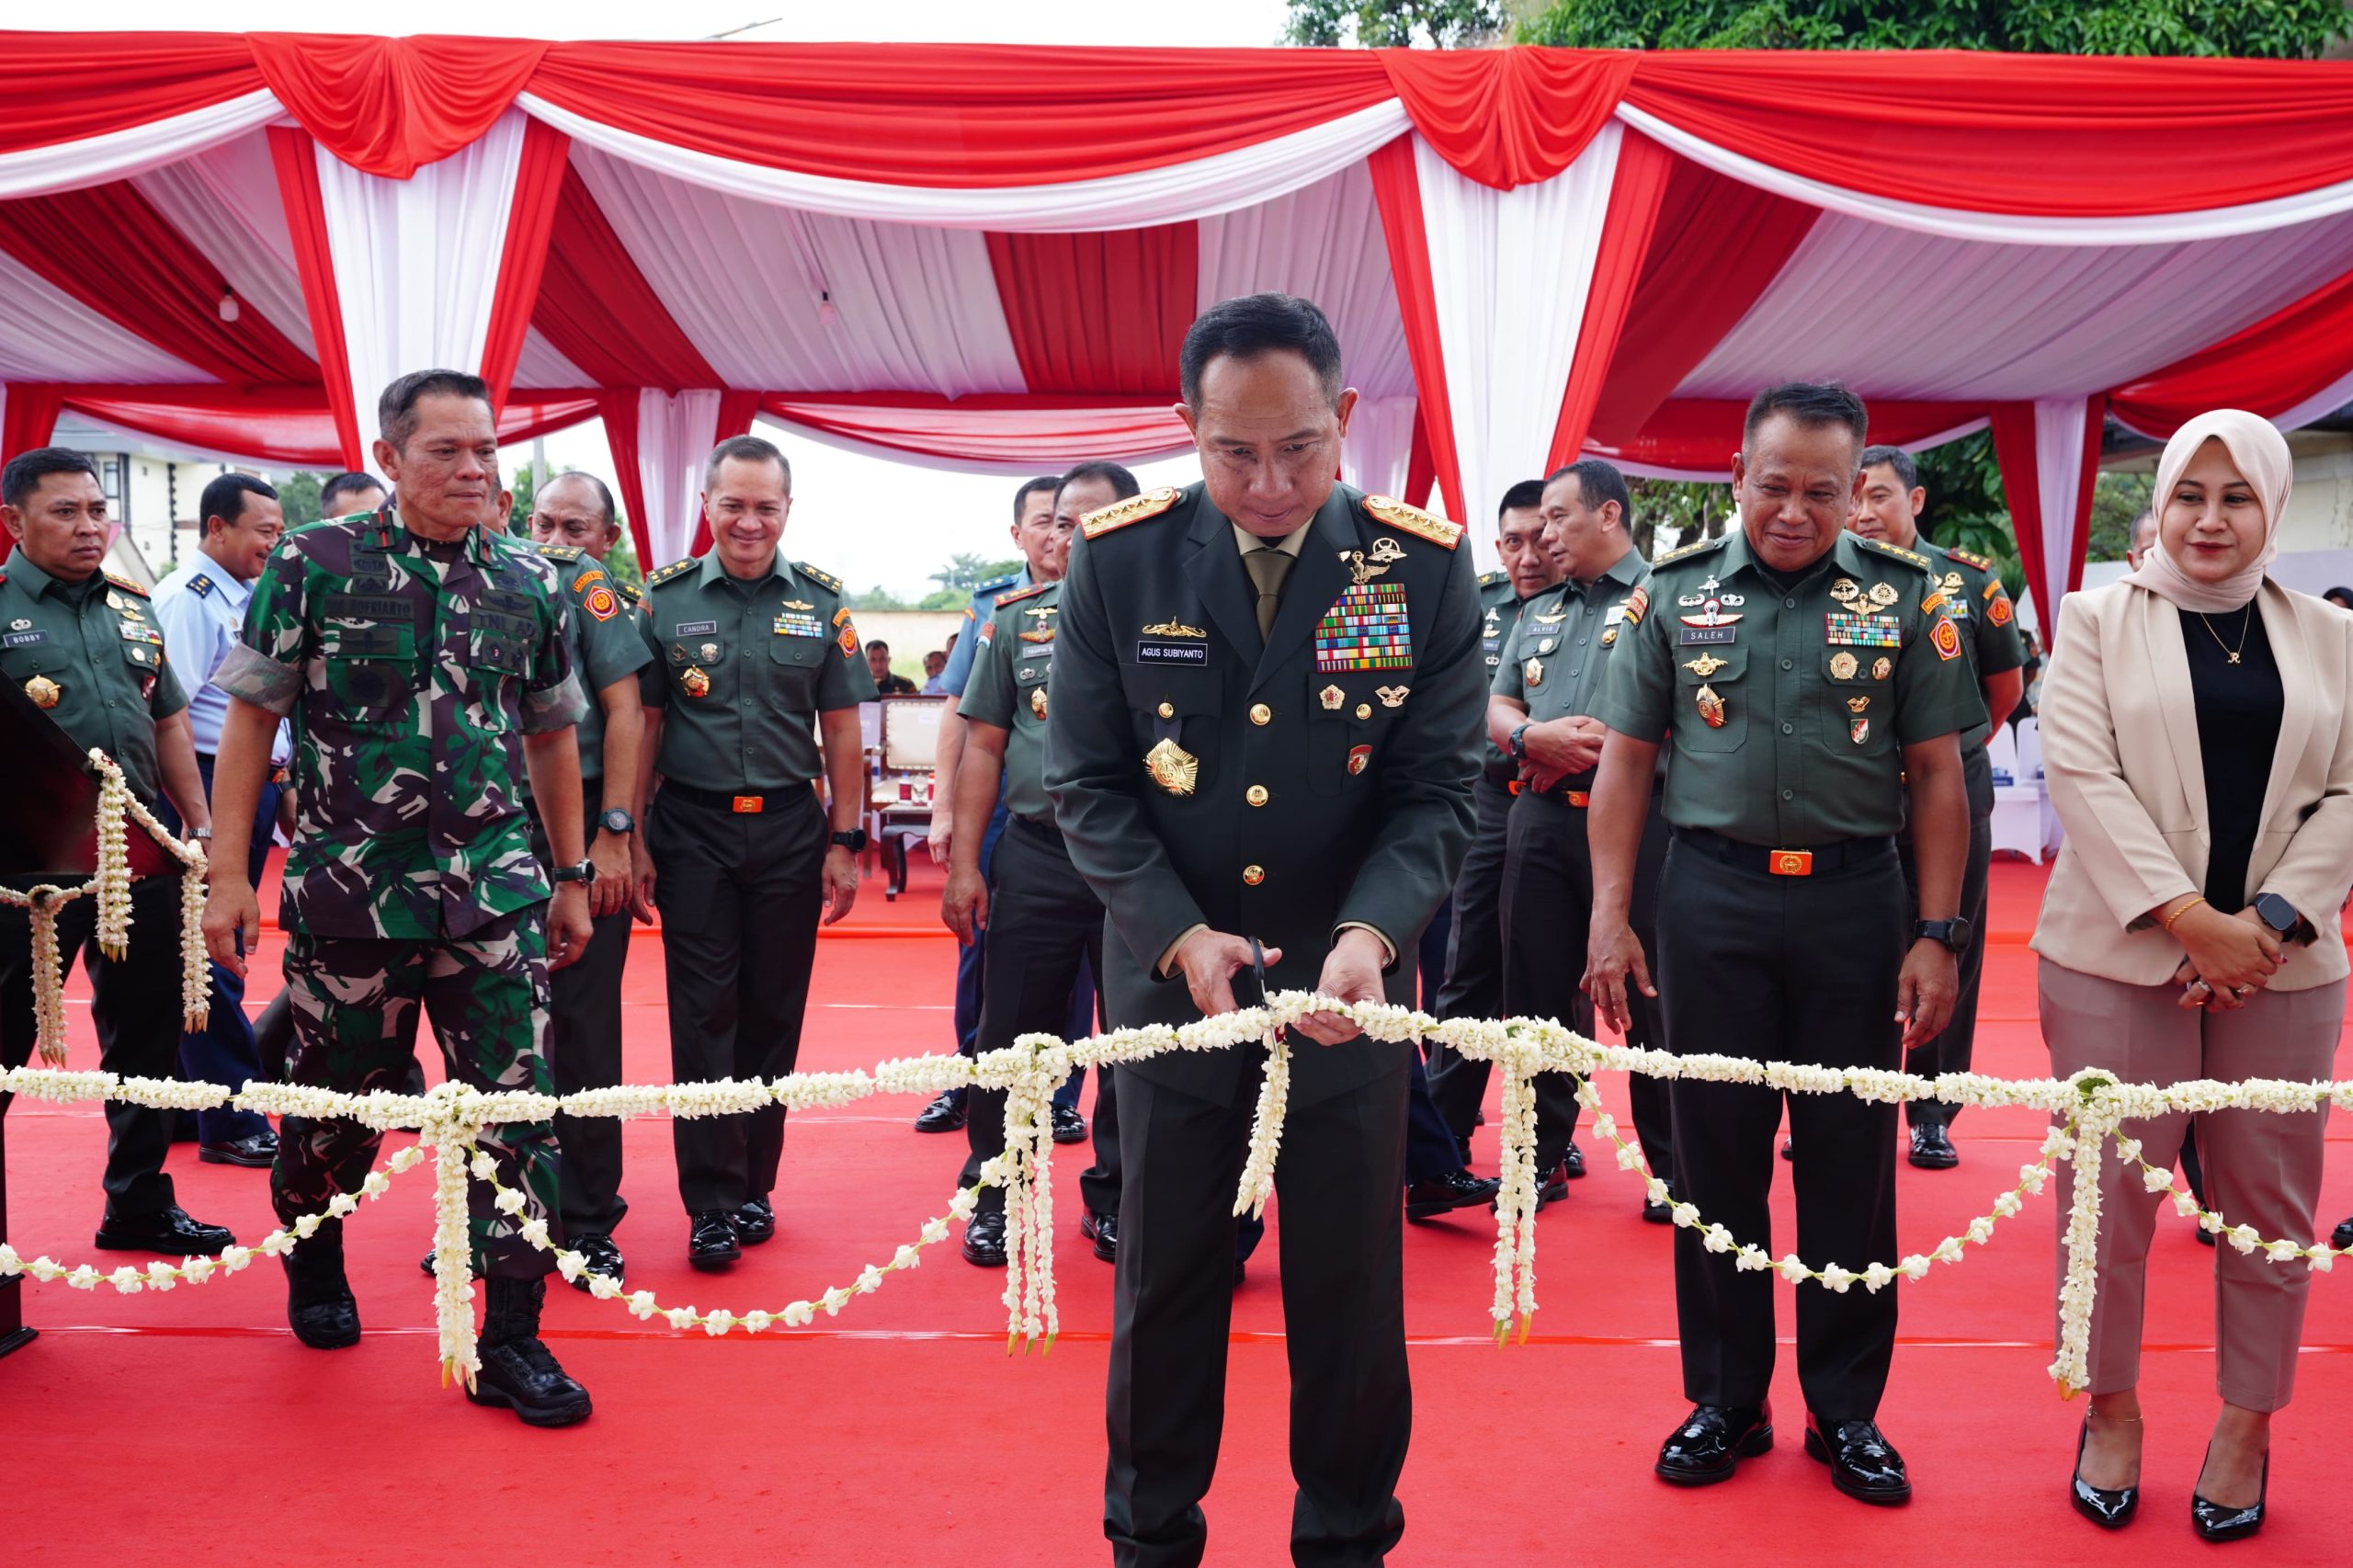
<point x="113" y="881"/>
<point x="1266" y="1129"/>
<point x="49" y="975"/>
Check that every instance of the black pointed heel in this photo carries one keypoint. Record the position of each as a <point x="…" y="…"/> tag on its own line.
<point x="2110" y="1510"/>
<point x="2214" y="1522"/>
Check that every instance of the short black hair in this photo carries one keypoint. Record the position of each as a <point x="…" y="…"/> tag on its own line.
<point x="747" y="449"/>
<point x="2341" y="597"/>
<point x="1896" y="458"/>
<point x="226" y="498"/>
<point x="396" y="410"/>
<point x="604" y="497"/>
<point x="1813" y="404"/>
<point x="1252" y="325"/>
<point x="1599" y="482"/>
<point x="1526" y="496"/>
<point x="1048" y="484"/>
<point x="1123" y="484"/>
<point x="332" y="493"/>
<point x="27" y="470"/>
<point x="878" y="643"/>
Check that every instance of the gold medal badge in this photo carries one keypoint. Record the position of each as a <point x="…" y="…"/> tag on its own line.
<point x="1712" y="706"/>
<point x="1842" y="666"/>
<point x="1173" y="767"/>
<point x="1331" y="696"/>
<point x="44" y="691"/>
<point x="694" y="683"/>
<point x="1882" y="667"/>
<point x="1533" y="672"/>
<point x="1038" y="701"/>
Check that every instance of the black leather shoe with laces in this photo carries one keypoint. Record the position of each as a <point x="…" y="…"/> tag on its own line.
<point x="755" y="1222"/>
<point x="944" y="1114"/>
<point x="1932" y="1148"/>
<point x="319" y="1304"/>
<point x="984" y="1240"/>
<point x="1572" y="1162"/>
<point x="1444" y="1194"/>
<point x="602" y="1255"/>
<point x="1863" y="1465"/>
<point x="1069" y="1125"/>
<point x="257" y="1153"/>
<point x="519" y="1372"/>
<point x="711" y="1241"/>
<point x="1711" y="1442"/>
<point x="167" y="1231"/>
<point x="1103" y="1230"/>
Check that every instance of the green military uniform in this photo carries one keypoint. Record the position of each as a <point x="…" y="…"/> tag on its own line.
<point x="1781" y="918"/>
<point x="584" y="1041"/>
<point x="1980" y="605"/>
<point x="412" y="670"/>
<point x="1044" y="920"/>
<point x="87" y="653"/>
<point x="742" y="667"/>
<point x="1473" y="986"/>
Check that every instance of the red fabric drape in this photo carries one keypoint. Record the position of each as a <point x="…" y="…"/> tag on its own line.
<point x="27" y="419"/>
<point x="1398" y="189"/>
<point x="108" y="247"/>
<point x="539" y="180"/>
<point x="1102" y="313"/>
<point x="2045" y="135"/>
<point x="2014" y="450"/>
<point x="1508" y="117"/>
<point x="296" y="158"/>
<point x="1717" y="246"/>
<point x="1701" y="435"/>
<point x="736" y="411"/>
<point x="1626" y="228"/>
<point x="1005" y="427"/>
<point x="1421" y="468"/>
<point x="389" y="106"/>
<point x="283" y="426"/>
<point x="598" y="310"/>
<point x="72" y="86"/>
<point x="617" y="407"/>
<point x="2280" y="362"/>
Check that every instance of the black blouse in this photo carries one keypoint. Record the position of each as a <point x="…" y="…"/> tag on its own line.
<point x="2238" y="731"/>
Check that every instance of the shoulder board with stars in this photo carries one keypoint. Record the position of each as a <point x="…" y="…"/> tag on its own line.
<point x="628" y="591"/>
<point x="1134" y="509"/>
<point x="1413" y="520"/>
<point x="1978" y="562"/>
<point x="1489" y="579"/>
<point x="1877" y="548"/>
<point x="1031" y="592"/>
<point x="655" y="579"/>
<point x="824" y="580"/>
<point x="560" y="551"/>
<point x="1688" y="551"/>
<point x="126" y="585"/>
<point x="200" y="585"/>
<point x="997" y="585"/>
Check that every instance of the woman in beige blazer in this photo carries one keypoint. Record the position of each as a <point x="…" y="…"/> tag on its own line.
<point x="2198" y="753"/>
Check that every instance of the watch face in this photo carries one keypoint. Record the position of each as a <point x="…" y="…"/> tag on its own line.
<point x="617" y="821"/>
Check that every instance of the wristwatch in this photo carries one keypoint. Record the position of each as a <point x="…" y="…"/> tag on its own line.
<point x="2278" y="914"/>
<point x="1519" y="743"/>
<point x="854" y="840"/>
<point x="1954" y="934"/>
<point x="584" y="872"/>
<point x="616" y="820"/>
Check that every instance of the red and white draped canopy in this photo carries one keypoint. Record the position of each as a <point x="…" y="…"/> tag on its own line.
<point x="987" y="256"/>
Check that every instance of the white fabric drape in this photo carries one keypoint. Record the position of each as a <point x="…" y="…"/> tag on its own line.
<point x="1510" y="271"/>
<point x="1321" y="242"/>
<point x="1901" y="315"/>
<point x="46" y="334"/>
<point x="416" y="260"/>
<point x="2163" y="228"/>
<point x="1378" y="447"/>
<point x="540" y="364"/>
<point x="674" y="435"/>
<point x="225" y="199"/>
<point x="2062" y="426"/>
<point x="1196" y="189"/>
<point x="1075" y="436"/>
<point x="913" y="308"/>
<point x="119" y="154"/>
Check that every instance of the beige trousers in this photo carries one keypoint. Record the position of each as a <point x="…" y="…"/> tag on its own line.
<point x="2262" y="1167"/>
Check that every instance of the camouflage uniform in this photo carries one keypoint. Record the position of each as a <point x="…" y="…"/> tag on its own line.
<point x="411" y="668"/>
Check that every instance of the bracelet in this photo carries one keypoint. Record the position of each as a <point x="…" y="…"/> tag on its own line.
<point x="2194" y="900"/>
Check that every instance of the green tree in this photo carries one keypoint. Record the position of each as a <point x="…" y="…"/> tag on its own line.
<point x="2277" y="29"/>
<point x="526" y="487"/>
<point x="2117" y="500"/>
<point x="1394" y="24"/>
<point x="299" y="497"/>
<point x="965" y="573"/>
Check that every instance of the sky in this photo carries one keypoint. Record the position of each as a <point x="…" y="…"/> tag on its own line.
<point x="867" y="520"/>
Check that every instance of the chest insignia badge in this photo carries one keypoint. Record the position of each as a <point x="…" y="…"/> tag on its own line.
<point x="1391" y="695"/>
<point x="1174" y="629"/>
<point x="1712" y="708"/>
<point x="1556" y="618"/>
<point x="1331" y="696"/>
<point x="1705" y="665"/>
<point x="1857" y="704"/>
<point x="1882" y="595"/>
<point x="1844" y="665"/>
<point x="1533" y="672"/>
<point x="1038" y="702"/>
<point x="1610" y="637"/>
<point x="1846" y="590"/>
<point x="1711" y="614"/>
<point x="1547" y="646"/>
<point x="1882" y="668"/>
<point x="20" y="624"/>
<point x="798" y="605"/>
<point x="43" y="691"/>
<point x="1859" y="729"/>
<point x="1360" y="759"/>
<point x="694" y="682"/>
<point x="708" y="650"/>
<point x="1173" y="767"/>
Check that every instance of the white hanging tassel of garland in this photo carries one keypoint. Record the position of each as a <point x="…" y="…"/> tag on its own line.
<point x="1266" y="1128"/>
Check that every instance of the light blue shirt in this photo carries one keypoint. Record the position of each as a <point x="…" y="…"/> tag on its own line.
<point x="201" y="609"/>
<point x="976" y="615"/>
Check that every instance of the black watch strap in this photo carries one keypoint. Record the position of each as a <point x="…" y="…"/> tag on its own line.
<point x="854" y="840"/>
<point x="615" y="820"/>
<point x="586" y="872"/>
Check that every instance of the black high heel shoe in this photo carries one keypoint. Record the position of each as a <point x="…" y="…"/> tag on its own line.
<point x="2110" y="1510"/>
<point x="2214" y="1522"/>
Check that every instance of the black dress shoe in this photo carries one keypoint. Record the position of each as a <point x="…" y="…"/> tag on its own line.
<point x="944" y="1114"/>
<point x="1572" y="1162"/>
<point x="1444" y="1194"/>
<point x="984" y="1240"/>
<point x="1711" y="1442"/>
<point x="1932" y="1148"/>
<point x="1659" y="1213"/>
<point x="2342" y="1237"/>
<point x="1069" y="1125"/>
<point x="518" y="1372"/>
<point x="319" y="1305"/>
<point x="2109" y="1509"/>
<point x="1863" y="1465"/>
<point x="755" y="1222"/>
<point x="167" y="1231"/>
<point x="1551" y="1188"/>
<point x="711" y="1244"/>
<point x="602" y="1256"/>
<point x="425" y="1263"/>
<point x="2206" y="1237"/>
<point x="2214" y="1522"/>
<point x="1463" y="1152"/>
<point x="257" y="1153"/>
<point x="1103" y="1230"/>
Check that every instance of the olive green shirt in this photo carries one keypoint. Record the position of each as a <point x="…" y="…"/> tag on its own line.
<point x="1978" y="604"/>
<point x="91" y="641"/>
<point x="606" y="646"/>
<point x="742" y="667"/>
<point x="1499" y="607"/>
<point x="1813" y="687"/>
<point x="1553" y="660"/>
<point x="1008" y="689"/>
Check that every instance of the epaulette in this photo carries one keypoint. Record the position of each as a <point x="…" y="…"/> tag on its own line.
<point x="1688" y="551"/>
<point x="655" y="579"/>
<point x="1489" y="579"/>
<point x="628" y="591"/>
<point x="1031" y="592"/>
<point x="200" y="585"/>
<point x="1978" y="562"/>
<point x="1914" y="556"/>
<point x="997" y="585"/>
<point x="560" y="551"/>
<point x="824" y="580"/>
<point x="1413" y="520"/>
<point x="127" y="585"/>
<point x="1134" y="509"/>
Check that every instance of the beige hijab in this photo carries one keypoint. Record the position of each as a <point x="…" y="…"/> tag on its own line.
<point x="2261" y="453"/>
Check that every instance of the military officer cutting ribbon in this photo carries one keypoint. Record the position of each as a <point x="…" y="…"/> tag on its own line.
<point x="1806" y="679"/>
<point x="1264" y="722"/>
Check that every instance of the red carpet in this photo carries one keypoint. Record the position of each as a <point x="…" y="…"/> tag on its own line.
<point x="189" y="1427"/>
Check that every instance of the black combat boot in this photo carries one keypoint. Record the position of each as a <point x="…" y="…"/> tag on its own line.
<point x="318" y="1298"/>
<point x="518" y="1373"/>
